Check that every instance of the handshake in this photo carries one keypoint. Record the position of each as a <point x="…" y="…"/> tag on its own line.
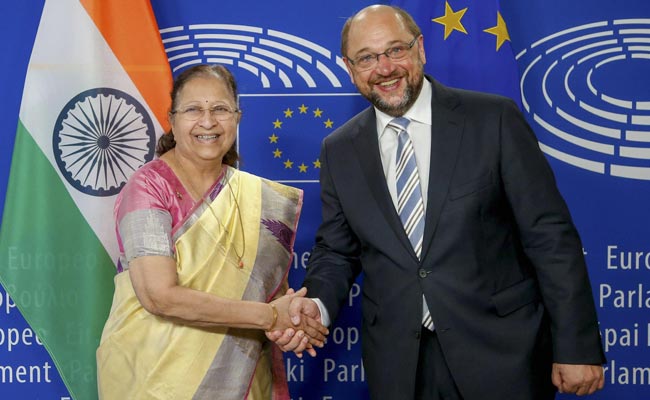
<point x="298" y="326"/>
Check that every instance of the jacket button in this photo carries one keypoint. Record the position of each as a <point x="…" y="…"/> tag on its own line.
<point x="417" y="334"/>
<point x="422" y="273"/>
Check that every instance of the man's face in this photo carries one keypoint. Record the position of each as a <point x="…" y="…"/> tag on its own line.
<point x="390" y="85"/>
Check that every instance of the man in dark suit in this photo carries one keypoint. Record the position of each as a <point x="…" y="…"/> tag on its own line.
<point x="491" y="299"/>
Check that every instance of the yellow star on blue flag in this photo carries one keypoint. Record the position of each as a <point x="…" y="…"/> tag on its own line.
<point x="467" y="44"/>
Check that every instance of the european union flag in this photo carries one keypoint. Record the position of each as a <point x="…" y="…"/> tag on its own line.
<point x="467" y="44"/>
<point x="280" y="136"/>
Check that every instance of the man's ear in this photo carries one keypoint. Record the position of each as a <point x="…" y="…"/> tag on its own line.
<point x="348" y="66"/>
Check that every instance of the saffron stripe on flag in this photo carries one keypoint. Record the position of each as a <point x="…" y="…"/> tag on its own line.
<point x="144" y="61"/>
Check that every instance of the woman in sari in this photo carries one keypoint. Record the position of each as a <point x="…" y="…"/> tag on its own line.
<point x="205" y="251"/>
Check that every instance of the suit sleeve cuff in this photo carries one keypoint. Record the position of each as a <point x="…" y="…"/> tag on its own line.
<point x="324" y="315"/>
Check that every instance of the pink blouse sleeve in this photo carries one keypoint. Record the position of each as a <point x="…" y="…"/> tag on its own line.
<point x="145" y="211"/>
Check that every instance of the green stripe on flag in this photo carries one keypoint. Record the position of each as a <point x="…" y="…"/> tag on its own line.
<point x="54" y="267"/>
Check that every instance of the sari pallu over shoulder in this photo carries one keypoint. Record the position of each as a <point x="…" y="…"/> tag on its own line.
<point x="252" y="220"/>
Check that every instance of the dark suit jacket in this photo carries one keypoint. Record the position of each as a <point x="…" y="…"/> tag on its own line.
<point x="502" y="267"/>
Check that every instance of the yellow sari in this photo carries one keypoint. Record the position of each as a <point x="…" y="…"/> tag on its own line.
<point x="142" y="356"/>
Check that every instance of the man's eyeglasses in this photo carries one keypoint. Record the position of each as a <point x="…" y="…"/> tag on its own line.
<point x="395" y="53"/>
<point x="193" y="113"/>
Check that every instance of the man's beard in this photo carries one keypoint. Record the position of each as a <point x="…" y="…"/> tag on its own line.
<point x="411" y="94"/>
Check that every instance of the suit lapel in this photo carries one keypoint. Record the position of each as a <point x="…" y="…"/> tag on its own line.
<point x="446" y="135"/>
<point x="366" y="143"/>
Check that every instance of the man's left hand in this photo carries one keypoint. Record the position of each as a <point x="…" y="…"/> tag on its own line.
<point x="578" y="379"/>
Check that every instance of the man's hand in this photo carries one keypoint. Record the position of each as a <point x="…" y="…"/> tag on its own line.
<point x="578" y="379"/>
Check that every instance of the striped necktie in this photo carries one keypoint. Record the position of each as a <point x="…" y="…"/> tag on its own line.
<point x="410" y="205"/>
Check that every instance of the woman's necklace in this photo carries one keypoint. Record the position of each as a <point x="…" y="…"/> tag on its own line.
<point x="200" y="195"/>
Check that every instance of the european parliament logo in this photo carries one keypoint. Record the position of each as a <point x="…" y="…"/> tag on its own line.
<point x="586" y="87"/>
<point x="293" y="92"/>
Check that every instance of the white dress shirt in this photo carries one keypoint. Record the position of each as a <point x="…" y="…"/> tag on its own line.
<point x="420" y="131"/>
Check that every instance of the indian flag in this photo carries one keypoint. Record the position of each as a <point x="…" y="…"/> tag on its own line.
<point x="95" y="98"/>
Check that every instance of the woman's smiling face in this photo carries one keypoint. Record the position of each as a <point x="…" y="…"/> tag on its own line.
<point x="206" y="138"/>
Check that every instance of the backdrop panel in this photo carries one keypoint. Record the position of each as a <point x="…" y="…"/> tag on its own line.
<point x="579" y="70"/>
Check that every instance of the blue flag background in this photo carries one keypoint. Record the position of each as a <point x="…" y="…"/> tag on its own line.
<point x="294" y="91"/>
